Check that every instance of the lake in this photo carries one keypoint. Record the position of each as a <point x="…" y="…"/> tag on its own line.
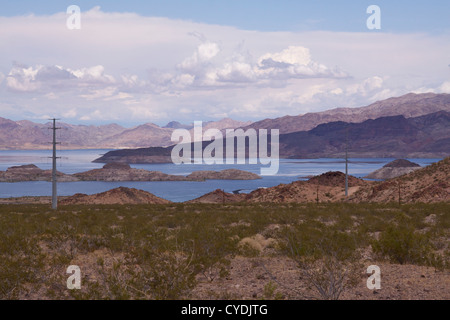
<point x="81" y="160"/>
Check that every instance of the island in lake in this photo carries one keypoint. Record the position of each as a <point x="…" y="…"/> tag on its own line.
<point x="111" y="172"/>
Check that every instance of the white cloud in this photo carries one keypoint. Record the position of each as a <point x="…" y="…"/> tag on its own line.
<point x="205" y="52"/>
<point x="366" y="86"/>
<point x="294" y="55"/>
<point x="167" y="69"/>
<point x="100" y="93"/>
<point x="445" y="87"/>
<point x="72" y="113"/>
<point x="23" y="78"/>
<point x="44" y="78"/>
<point x="95" y="73"/>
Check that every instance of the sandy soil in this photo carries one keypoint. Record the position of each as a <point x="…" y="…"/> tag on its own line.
<point x="249" y="276"/>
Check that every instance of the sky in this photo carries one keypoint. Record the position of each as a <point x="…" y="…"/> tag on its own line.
<point x="133" y="62"/>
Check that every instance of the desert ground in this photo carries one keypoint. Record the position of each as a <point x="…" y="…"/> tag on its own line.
<point x="226" y="251"/>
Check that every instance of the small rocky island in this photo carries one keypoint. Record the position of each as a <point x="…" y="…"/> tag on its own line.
<point x="394" y="169"/>
<point x="31" y="172"/>
<point x="119" y="172"/>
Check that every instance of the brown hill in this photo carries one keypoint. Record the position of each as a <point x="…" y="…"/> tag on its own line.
<point x="429" y="184"/>
<point x="336" y="178"/>
<point x="394" y="169"/>
<point x="401" y="163"/>
<point x="31" y="172"/>
<point x="227" y="174"/>
<point x="123" y="172"/>
<point x="426" y="136"/>
<point x="410" y="105"/>
<point x="25" y="135"/>
<point x="119" y="195"/>
<point x="328" y="187"/>
<point x="218" y="196"/>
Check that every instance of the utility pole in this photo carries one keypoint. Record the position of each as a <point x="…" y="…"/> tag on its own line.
<point x="346" y="162"/>
<point x="54" y="157"/>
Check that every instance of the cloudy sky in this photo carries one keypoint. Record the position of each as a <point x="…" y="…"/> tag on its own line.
<point x="133" y="62"/>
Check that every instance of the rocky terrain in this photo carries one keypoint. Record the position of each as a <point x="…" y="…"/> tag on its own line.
<point x="389" y="137"/>
<point x="123" y="172"/>
<point x="31" y="172"/>
<point x="328" y="187"/>
<point x="219" y="196"/>
<point x="119" y="195"/>
<point x="410" y="105"/>
<point x="119" y="172"/>
<point x="393" y="169"/>
<point x="429" y="184"/>
<point x="27" y="135"/>
<point x="227" y="174"/>
<point x="426" y="136"/>
<point x="249" y="277"/>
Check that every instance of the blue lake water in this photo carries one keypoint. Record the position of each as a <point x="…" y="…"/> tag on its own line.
<point x="81" y="160"/>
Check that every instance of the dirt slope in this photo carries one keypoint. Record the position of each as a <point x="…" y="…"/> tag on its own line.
<point x="119" y="195"/>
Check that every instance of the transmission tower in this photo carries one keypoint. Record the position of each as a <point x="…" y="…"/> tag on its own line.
<point x="54" y="157"/>
<point x="346" y="162"/>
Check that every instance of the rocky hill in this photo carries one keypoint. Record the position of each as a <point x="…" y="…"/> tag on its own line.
<point x="227" y="174"/>
<point x="393" y="169"/>
<point x="328" y="187"/>
<point x="429" y="184"/>
<point x="388" y="137"/>
<point x="26" y="135"/>
<point x="219" y="196"/>
<point x="119" y="172"/>
<point x="123" y="172"/>
<point x="31" y="172"/>
<point x="22" y="135"/>
<point x="119" y="195"/>
<point x="410" y="105"/>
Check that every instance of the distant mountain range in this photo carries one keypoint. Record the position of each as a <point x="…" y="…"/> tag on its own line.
<point x="410" y="105"/>
<point x="426" y="136"/>
<point x="23" y="135"/>
<point x="29" y="135"/>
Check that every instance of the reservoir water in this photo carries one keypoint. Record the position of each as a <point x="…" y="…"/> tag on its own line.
<point x="74" y="161"/>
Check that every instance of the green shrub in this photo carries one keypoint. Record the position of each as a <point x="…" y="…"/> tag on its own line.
<point x="402" y="245"/>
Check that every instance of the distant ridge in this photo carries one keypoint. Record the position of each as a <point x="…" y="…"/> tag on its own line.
<point x="27" y="135"/>
<point x="409" y="105"/>
<point x="24" y="134"/>
<point x="426" y="136"/>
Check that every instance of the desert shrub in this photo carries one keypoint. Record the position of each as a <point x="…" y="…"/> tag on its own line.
<point x="400" y="244"/>
<point x="328" y="260"/>
<point x="168" y="275"/>
<point x="270" y="292"/>
<point x="213" y="250"/>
